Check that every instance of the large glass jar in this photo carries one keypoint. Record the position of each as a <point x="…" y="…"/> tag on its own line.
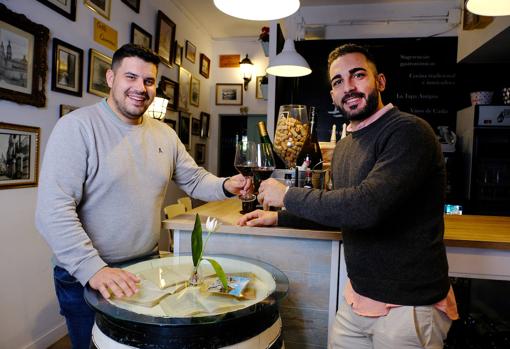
<point x="290" y="132"/>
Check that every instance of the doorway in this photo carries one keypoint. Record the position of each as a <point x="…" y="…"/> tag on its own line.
<point x="232" y="129"/>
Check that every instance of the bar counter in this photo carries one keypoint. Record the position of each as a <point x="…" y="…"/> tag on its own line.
<point x="477" y="247"/>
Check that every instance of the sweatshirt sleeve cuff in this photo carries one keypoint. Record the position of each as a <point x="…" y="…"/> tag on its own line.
<point x="88" y="268"/>
<point x="225" y="191"/>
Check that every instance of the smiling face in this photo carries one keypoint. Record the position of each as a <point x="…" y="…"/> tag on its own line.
<point x="132" y="88"/>
<point x="356" y="86"/>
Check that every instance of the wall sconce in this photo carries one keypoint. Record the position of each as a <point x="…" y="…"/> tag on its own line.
<point x="157" y="109"/>
<point x="246" y="71"/>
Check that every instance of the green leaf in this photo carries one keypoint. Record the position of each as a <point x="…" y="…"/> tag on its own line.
<point x="219" y="272"/>
<point x="196" y="241"/>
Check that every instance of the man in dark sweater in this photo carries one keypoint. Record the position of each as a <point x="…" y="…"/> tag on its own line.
<point x="389" y="180"/>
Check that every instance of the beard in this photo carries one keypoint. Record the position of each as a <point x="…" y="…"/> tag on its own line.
<point x="130" y="112"/>
<point x="372" y="101"/>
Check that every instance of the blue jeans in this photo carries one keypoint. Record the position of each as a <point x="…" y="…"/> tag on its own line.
<point x="79" y="316"/>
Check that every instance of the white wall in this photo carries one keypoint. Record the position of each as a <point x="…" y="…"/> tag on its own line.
<point x="232" y="75"/>
<point x="28" y="307"/>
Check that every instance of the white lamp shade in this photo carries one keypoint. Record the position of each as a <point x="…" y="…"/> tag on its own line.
<point x="157" y="109"/>
<point x="489" y="7"/>
<point x="288" y="63"/>
<point x="258" y="10"/>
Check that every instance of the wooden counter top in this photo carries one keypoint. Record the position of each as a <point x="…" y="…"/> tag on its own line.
<point x="227" y="213"/>
<point x="460" y="231"/>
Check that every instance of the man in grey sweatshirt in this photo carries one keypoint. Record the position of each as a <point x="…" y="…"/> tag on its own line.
<point x="105" y="173"/>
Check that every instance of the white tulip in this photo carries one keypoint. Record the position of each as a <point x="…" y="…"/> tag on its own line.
<point x="211" y="224"/>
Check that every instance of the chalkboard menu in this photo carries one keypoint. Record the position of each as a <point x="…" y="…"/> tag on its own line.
<point x="420" y="73"/>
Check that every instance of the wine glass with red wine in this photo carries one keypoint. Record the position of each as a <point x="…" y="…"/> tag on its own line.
<point x="245" y="158"/>
<point x="265" y="164"/>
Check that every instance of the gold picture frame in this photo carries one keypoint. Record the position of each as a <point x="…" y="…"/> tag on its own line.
<point x="101" y="7"/>
<point x="19" y="156"/>
<point x="99" y="63"/>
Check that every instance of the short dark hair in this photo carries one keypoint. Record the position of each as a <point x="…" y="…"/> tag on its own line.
<point x="351" y="48"/>
<point x="132" y="50"/>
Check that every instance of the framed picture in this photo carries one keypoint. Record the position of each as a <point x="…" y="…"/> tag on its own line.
<point x="65" y="8"/>
<point x="195" y="91"/>
<point x="171" y="90"/>
<point x="172" y="123"/>
<point x="140" y="37"/>
<point x="24" y="73"/>
<point x="98" y="65"/>
<point x="191" y="51"/>
<point x="229" y="61"/>
<point x="205" y="65"/>
<point x="195" y="126"/>
<point x="184" y="88"/>
<point x="19" y="156"/>
<point x="67" y="70"/>
<point x="133" y="5"/>
<point x="101" y="7"/>
<point x="204" y="124"/>
<point x="184" y="128"/>
<point x="200" y="153"/>
<point x="165" y="37"/>
<point x="177" y="54"/>
<point x="258" y="93"/>
<point x="66" y="109"/>
<point x="229" y="94"/>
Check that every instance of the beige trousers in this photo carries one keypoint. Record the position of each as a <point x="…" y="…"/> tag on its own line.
<point x="404" y="327"/>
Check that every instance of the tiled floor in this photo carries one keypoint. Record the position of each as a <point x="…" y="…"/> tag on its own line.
<point x="63" y="343"/>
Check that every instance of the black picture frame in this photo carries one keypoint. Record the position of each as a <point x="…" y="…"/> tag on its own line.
<point x="171" y="90"/>
<point x="200" y="153"/>
<point x="204" y="124"/>
<point x="184" y="129"/>
<point x="205" y="66"/>
<point x="68" y="10"/>
<point x="172" y="123"/>
<point x="195" y="126"/>
<point x="140" y="36"/>
<point x="165" y="37"/>
<point x="133" y="5"/>
<point x="67" y="68"/>
<point x="30" y="89"/>
<point x="66" y="109"/>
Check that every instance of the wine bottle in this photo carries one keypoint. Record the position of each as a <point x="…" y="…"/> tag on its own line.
<point x="311" y="152"/>
<point x="308" y="179"/>
<point x="264" y="138"/>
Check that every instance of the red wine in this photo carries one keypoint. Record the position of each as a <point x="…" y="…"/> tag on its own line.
<point x="262" y="173"/>
<point x="245" y="170"/>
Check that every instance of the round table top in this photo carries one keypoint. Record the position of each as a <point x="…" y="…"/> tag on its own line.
<point x="275" y="287"/>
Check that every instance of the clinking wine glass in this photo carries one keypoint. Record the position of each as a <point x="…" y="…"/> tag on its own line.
<point x="265" y="164"/>
<point x="245" y="161"/>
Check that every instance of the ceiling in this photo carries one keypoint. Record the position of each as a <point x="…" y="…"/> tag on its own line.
<point x="222" y="26"/>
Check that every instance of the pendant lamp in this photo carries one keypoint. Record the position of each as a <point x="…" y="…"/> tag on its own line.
<point x="288" y="63"/>
<point x="489" y="7"/>
<point x="258" y="10"/>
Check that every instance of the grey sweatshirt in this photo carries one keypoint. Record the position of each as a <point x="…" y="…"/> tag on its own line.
<point x="102" y="185"/>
